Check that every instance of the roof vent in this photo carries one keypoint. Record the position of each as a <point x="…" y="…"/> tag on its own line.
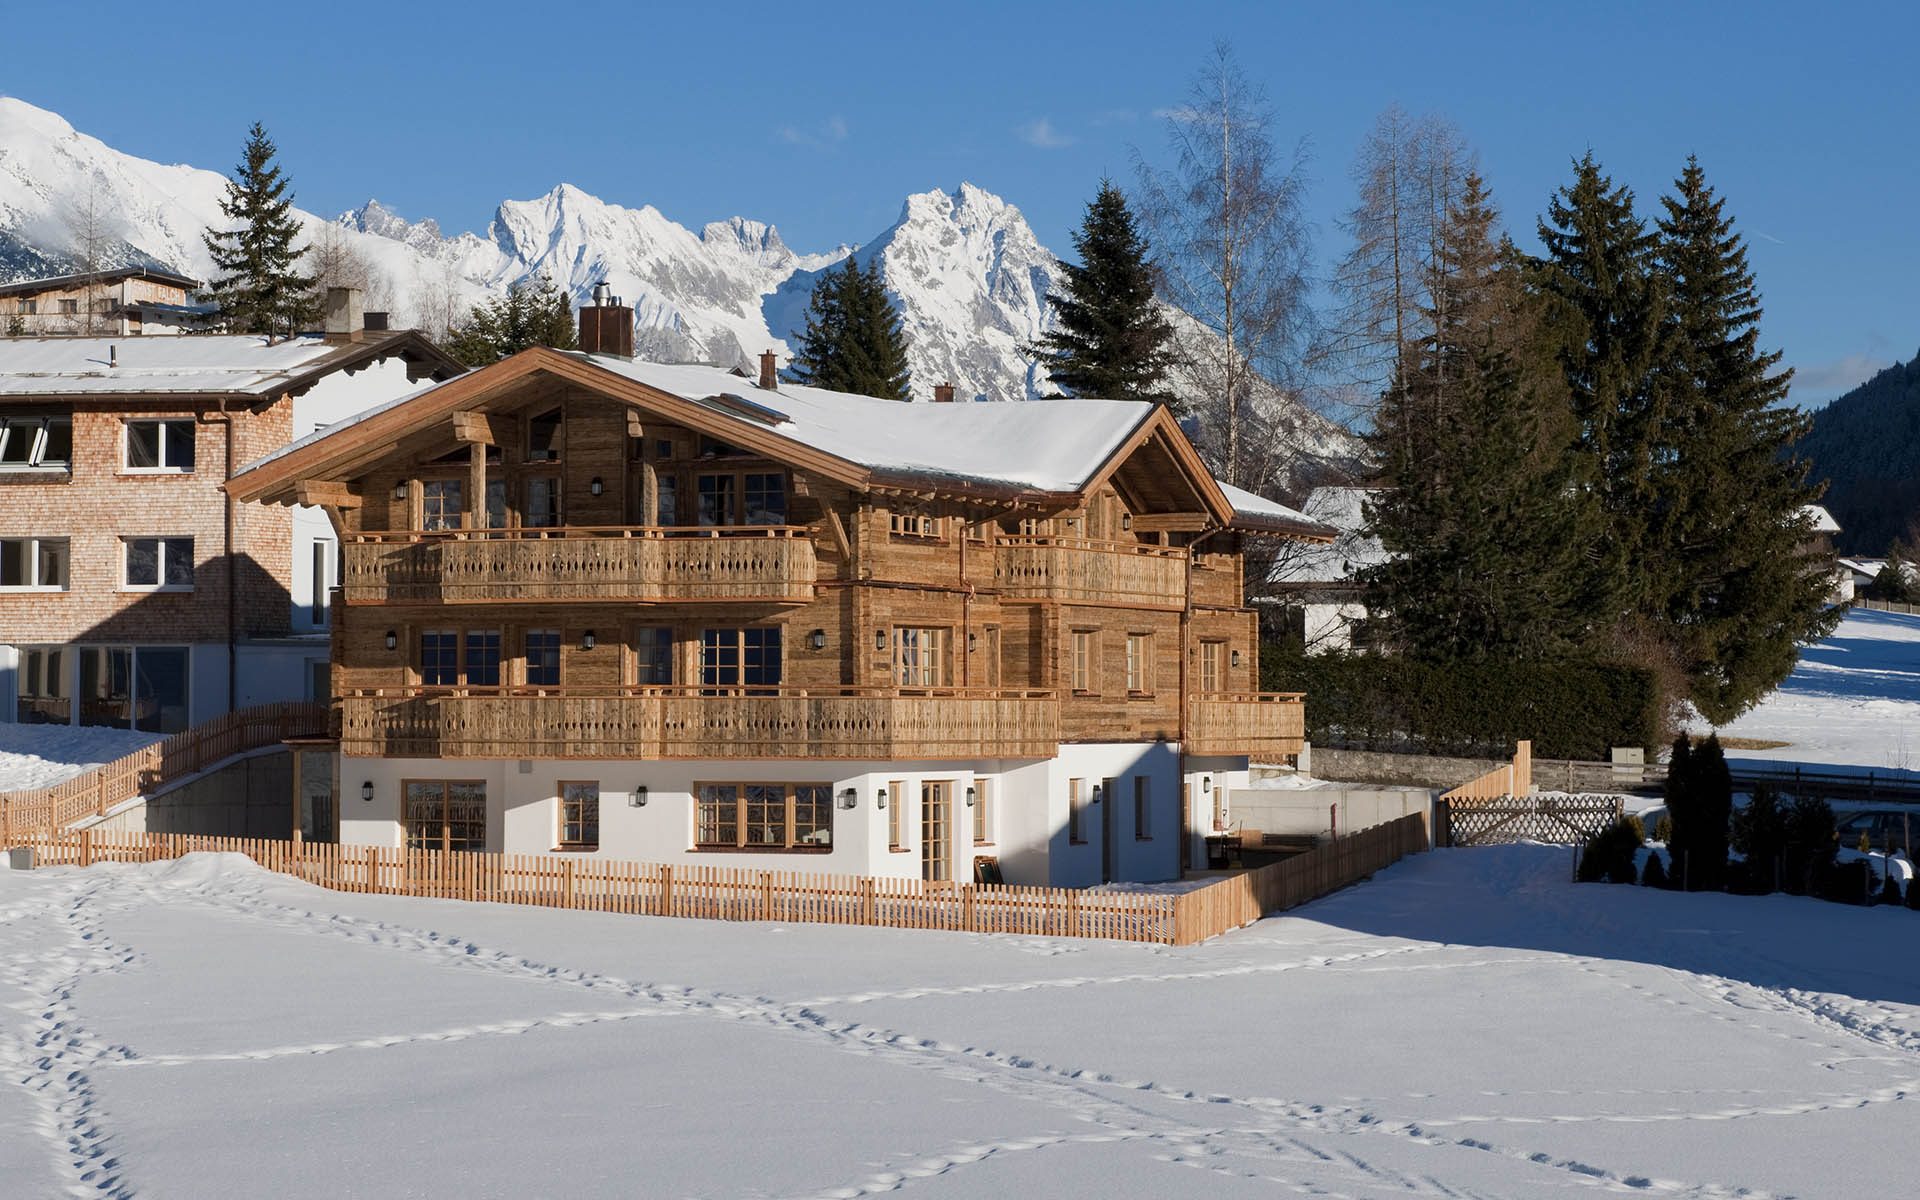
<point x="374" y="322"/>
<point x="606" y="325"/>
<point x="344" y="320"/>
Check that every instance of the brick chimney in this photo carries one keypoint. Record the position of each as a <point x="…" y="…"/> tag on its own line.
<point x="769" y="371"/>
<point x="943" y="393"/>
<point x="606" y="325"/>
<point x="344" y="321"/>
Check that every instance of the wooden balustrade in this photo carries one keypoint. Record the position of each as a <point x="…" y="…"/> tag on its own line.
<point x="1089" y="570"/>
<point x="1266" y="726"/>
<point x="759" y="562"/>
<point x="687" y="722"/>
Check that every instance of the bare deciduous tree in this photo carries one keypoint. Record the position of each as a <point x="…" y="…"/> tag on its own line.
<point x="1236" y="257"/>
<point x="336" y="261"/>
<point x="90" y="238"/>
<point x="438" y="303"/>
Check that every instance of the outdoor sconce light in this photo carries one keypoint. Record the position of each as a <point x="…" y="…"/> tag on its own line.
<point x="972" y="795"/>
<point x="1096" y="793"/>
<point x="1206" y="783"/>
<point x="638" y="797"/>
<point x="399" y="491"/>
<point x="880" y="798"/>
<point x="366" y="791"/>
<point x="1126" y="522"/>
<point x="393" y="640"/>
<point x="849" y="797"/>
<point x="879" y="639"/>
<point x="1236" y="658"/>
<point x="817" y="639"/>
<point x="973" y="641"/>
<point x="596" y="487"/>
<point x="587" y="640"/>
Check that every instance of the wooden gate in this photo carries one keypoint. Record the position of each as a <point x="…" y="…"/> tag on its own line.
<point x="1559" y="820"/>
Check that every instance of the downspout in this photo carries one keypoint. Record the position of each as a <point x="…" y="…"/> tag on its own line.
<point x="233" y="593"/>
<point x="1186" y="695"/>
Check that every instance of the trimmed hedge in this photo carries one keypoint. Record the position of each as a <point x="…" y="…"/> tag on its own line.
<point x="1475" y="709"/>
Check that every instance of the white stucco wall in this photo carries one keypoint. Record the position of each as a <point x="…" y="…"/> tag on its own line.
<point x="1329" y="627"/>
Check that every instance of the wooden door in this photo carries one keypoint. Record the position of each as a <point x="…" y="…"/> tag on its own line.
<point x="1109" y="848"/>
<point x="936" y="830"/>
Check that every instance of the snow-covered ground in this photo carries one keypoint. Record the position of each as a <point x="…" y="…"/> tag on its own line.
<point x="36" y="756"/>
<point x="1468" y="1024"/>
<point x="1854" y="699"/>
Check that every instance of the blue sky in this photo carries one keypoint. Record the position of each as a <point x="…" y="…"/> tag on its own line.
<point x="822" y="118"/>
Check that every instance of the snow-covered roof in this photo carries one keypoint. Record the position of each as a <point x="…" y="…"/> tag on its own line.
<point x="1047" y="445"/>
<point x="1823" y="521"/>
<point x="1260" y="510"/>
<point x="1352" y="550"/>
<point x="33" y="367"/>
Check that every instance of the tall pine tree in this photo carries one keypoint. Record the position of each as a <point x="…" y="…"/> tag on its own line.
<point x="853" y="340"/>
<point x="1734" y="595"/>
<point x="1110" y="339"/>
<point x="528" y="315"/>
<point x="260" y="288"/>
<point x="1488" y="540"/>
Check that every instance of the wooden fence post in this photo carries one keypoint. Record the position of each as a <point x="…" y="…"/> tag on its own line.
<point x="866" y="901"/>
<point x="666" y="892"/>
<point x="566" y="883"/>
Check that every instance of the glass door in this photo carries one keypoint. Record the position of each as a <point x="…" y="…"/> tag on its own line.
<point x="936" y="830"/>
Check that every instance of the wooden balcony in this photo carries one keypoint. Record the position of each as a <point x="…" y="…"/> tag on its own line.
<point x="766" y="563"/>
<point x="1216" y="581"/>
<point x="1265" y="726"/>
<point x="1089" y="570"/>
<point x="684" y="722"/>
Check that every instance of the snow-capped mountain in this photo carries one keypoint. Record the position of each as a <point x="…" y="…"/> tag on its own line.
<point x="966" y="270"/>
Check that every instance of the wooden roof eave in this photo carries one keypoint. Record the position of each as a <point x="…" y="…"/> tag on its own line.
<point x="1159" y="423"/>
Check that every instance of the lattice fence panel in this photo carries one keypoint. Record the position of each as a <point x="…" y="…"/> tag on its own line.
<point x="1560" y="820"/>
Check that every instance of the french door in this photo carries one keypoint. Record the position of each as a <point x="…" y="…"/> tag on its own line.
<point x="936" y="830"/>
<point x="445" y="814"/>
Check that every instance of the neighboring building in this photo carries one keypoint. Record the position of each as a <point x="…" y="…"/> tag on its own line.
<point x="1819" y="547"/>
<point x="1861" y="572"/>
<point x="1315" y="586"/>
<point x="120" y="303"/>
<point x="650" y="612"/>
<point x="133" y="591"/>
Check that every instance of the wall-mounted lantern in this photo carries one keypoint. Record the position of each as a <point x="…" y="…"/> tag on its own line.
<point x="972" y="795"/>
<point x="879" y="639"/>
<point x="1236" y="658"/>
<point x="587" y="640"/>
<point x="596" y="487"/>
<point x="817" y="639"/>
<point x="637" y="798"/>
<point x="366" y="791"/>
<point x="1206" y="783"/>
<point x="1126" y="522"/>
<point x="399" y="491"/>
<point x="1096" y="793"/>
<point x="849" y="797"/>
<point x="880" y="798"/>
<point x="393" y="640"/>
<point x="973" y="642"/>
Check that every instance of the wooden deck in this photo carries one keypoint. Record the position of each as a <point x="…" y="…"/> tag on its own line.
<point x="623" y="563"/>
<point x="1263" y="725"/>
<point x="683" y="722"/>
<point x="1085" y="570"/>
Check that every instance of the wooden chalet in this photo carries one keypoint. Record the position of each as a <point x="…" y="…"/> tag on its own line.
<point x="594" y="605"/>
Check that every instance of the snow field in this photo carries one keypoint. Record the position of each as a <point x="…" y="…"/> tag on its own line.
<point x="37" y="756"/>
<point x="1469" y="1023"/>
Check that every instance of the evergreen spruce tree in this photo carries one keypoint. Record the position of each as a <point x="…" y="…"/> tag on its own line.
<point x="853" y="340"/>
<point x="1725" y="581"/>
<point x="1110" y="338"/>
<point x="259" y="287"/>
<point x="1895" y="583"/>
<point x="1598" y="266"/>
<point x="1488" y="539"/>
<point x="537" y="314"/>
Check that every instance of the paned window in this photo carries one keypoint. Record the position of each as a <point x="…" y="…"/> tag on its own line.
<point x="1139" y="662"/>
<point x="542" y="509"/>
<point x="543" y="437"/>
<point x="765" y="497"/>
<point x="159" y="446"/>
<point x="667" y="495"/>
<point x="920" y="525"/>
<point x="317" y="585"/>
<point x="445" y="814"/>
<point x="740" y="657"/>
<point x="1213" y="661"/>
<point x="44" y="693"/>
<point x="982" y="812"/>
<point x="34" y="563"/>
<point x="439" y="658"/>
<point x="29" y="441"/>
<point x="483" y="658"/>
<point x="897" y="815"/>
<point x="764" y="816"/>
<point x="451" y="659"/>
<point x="580" y="815"/>
<point x="715" y="499"/>
<point x="1083" y="660"/>
<point x="159" y="564"/>
<point x="442" y="501"/>
<point x="653" y="656"/>
<point x="543" y="658"/>
<point x="917" y="652"/>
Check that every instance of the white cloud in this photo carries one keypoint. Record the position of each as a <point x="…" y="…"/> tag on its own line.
<point x="1816" y="382"/>
<point x="829" y="132"/>
<point x="1041" y="135"/>
<point x="1179" y="112"/>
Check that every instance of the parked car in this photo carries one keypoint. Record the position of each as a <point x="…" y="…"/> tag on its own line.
<point x="1880" y="825"/>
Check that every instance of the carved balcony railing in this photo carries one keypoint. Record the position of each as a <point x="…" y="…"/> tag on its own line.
<point x="694" y="722"/>
<point x="1265" y="726"/>
<point x="1090" y="570"/>
<point x="766" y="563"/>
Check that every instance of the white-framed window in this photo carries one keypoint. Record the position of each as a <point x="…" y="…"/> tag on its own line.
<point x="36" y="441"/>
<point x="34" y="564"/>
<point x="158" y="564"/>
<point x="159" y="447"/>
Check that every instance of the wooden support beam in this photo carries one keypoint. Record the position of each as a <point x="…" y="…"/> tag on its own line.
<point x="325" y="493"/>
<point x="635" y="429"/>
<point x="481" y="429"/>
<point x="1171" y="522"/>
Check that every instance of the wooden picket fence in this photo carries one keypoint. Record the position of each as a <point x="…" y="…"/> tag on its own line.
<point x="43" y="810"/>
<point x="744" y="894"/>
<point x="1514" y="779"/>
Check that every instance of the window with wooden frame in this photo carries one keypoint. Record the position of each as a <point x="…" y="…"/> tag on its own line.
<point x="653" y="656"/>
<point x="543" y="657"/>
<point x="449" y="658"/>
<point x="1139" y="663"/>
<point x="740" y="657"/>
<point x="157" y="564"/>
<point x="442" y="504"/>
<point x="763" y="816"/>
<point x="1213" y="667"/>
<point x="1083" y="660"/>
<point x="1142" y="809"/>
<point x="543" y="436"/>
<point x="714" y="498"/>
<point x="1076" y="814"/>
<point x="738" y="498"/>
<point x="34" y="564"/>
<point x="918" y="655"/>
<point x="982" y="811"/>
<point x="444" y="814"/>
<point x="580" y="815"/>
<point x="763" y="497"/>
<point x="916" y="525"/>
<point x="160" y="447"/>
<point x="897" y="815"/>
<point x="540" y="502"/>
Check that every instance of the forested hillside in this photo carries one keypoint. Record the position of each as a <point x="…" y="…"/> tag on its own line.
<point x="1866" y="445"/>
